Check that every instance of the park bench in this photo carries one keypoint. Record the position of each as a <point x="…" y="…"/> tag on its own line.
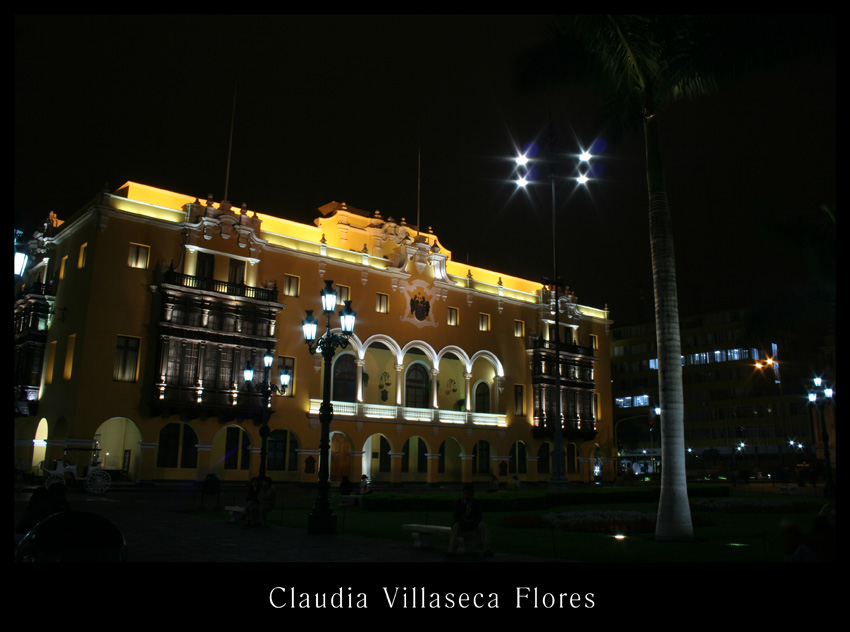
<point x="423" y="534"/>
<point x="350" y="500"/>
<point x="788" y="489"/>
<point x="236" y="512"/>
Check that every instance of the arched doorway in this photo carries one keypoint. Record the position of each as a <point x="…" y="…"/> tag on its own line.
<point x="340" y="464"/>
<point x="118" y="439"/>
<point x="39" y="446"/>
<point x="376" y="462"/>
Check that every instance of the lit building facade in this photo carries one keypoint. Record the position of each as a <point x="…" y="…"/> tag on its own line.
<point x="141" y="312"/>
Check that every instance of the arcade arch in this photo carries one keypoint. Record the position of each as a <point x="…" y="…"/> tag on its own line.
<point x="376" y="461"/>
<point x="450" y="465"/>
<point x="231" y="454"/>
<point x="384" y="371"/>
<point x="118" y="440"/>
<point x="414" y="462"/>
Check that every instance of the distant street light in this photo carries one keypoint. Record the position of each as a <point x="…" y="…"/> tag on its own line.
<point x="819" y="398"/>
<point x="558" y="480"/>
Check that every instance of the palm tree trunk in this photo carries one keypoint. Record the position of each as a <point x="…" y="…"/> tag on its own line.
<point x="674" y="515"/>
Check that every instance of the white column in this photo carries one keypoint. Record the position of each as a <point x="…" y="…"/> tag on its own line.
<point x="398" y="383"/>
<point x="434" y="374"/>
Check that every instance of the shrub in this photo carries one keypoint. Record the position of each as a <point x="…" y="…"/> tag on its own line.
<point x="529" y="521"/>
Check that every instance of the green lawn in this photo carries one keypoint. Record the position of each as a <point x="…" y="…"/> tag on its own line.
<point x="748" y="535"/>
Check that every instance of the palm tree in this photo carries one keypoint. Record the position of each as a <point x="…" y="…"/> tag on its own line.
<point x="642" y="64"/>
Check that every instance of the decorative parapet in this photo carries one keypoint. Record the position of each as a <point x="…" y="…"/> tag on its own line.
<point x="356" y="411"/>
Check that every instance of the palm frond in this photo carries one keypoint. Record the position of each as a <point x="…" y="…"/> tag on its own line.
<point x="639" y="63"/>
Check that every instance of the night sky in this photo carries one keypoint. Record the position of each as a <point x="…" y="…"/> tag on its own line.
<point x="342" y="107"/>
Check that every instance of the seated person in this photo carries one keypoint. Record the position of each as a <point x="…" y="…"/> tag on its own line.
<point x="467" y="521"/>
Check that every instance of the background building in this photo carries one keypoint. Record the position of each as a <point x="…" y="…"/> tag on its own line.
<point x="746" y="407"/>
<point x="137" y="317"/>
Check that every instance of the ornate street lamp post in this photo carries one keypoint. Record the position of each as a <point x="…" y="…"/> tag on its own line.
<point x="322" y="519"/>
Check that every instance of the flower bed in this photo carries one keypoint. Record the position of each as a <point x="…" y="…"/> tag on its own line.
<point x="749" y="505"/>
<point x="602" y="521"/>
<point x="615" y="522"/>
<point x="531" y="521"/>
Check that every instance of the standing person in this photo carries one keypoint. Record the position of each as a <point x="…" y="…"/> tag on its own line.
<point x="43" y="503"/>
<point x="467" y="521"/>
<point x="364" y="484"/>
<point x="252" y="500"/>
<point x="345" y="487"/>
<point x="266" y="499"/>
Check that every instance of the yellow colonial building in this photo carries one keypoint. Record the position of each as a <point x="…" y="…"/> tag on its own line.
<point x="137" y="317"/>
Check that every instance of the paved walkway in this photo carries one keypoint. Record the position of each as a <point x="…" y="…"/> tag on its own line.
<point x="168" y="526"/>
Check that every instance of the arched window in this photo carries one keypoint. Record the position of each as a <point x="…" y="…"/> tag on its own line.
<point x="345" y="379"/>
<point x="177" y="446"/>
<point x="236" y="449"/>
<point x="481" y="458"/>
<point x="572" y="459"/>
<point x="482" y="398"/>
<point x="282" y="453"/>
<point x="416" y="387"/>
<point x="543" y="459"/>
<point x="517" y="463"/>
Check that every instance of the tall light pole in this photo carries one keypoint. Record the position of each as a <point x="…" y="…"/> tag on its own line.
<point x="558" y="479"/>
<point x="819" y="398"/>
<point x="322" y="519"/>
<point x="266" y="394"/>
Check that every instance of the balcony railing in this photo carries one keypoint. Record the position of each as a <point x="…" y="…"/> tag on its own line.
<point x="221" y="287"/>
<point x="360" y="411"/>
<point x="563" y="347"/>
<point x="193" y="401"/>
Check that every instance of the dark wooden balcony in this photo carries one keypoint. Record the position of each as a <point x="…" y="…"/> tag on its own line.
<point x="540" y="343"/>
<point x="172" y="277"/>
<point x="35" y="289"/>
